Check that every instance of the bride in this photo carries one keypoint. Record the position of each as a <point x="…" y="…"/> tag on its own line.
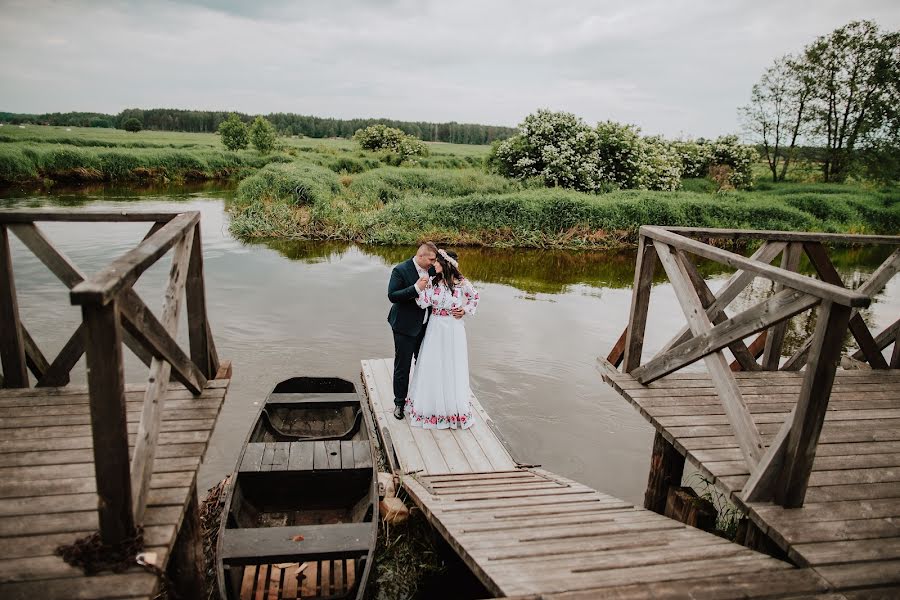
<point x="439" y="393"/>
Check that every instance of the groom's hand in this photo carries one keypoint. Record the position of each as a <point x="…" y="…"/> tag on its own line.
<point x="458" y="313"/>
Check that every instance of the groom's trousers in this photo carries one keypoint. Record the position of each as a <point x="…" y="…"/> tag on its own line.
<point x="406" y="347"/>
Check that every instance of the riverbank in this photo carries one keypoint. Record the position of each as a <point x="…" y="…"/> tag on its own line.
<point x="470" y="207"/>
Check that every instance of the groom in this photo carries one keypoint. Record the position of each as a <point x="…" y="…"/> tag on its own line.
<point x="407" y="320"/>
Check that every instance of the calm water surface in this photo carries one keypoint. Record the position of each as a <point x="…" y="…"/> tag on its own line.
<point x="286" y="308"/>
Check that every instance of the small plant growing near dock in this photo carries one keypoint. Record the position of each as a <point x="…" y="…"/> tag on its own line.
<point x="728" y="514"/>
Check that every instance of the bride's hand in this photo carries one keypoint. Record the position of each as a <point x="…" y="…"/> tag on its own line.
<point x="423" y="282"/>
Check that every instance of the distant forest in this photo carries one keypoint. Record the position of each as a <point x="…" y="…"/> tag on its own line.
<point x="202" y="121"/>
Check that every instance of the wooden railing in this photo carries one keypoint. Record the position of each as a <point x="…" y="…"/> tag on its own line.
<point x="113" y="313"/>
<point x="781" y="471"/>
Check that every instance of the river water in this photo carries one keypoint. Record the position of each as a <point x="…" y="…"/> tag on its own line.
<point x="280" y="309"/>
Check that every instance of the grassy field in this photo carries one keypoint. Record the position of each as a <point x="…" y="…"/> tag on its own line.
<point x="330" y="189"/>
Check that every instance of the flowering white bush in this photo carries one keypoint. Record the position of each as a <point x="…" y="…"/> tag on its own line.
<point x="382" y="137"/>
<point x="564" y="151"/>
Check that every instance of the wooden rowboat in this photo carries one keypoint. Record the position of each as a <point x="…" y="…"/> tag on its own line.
<point x="300" y="517"/>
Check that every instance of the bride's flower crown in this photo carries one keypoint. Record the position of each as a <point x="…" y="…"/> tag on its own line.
<point x="447" y="257"/>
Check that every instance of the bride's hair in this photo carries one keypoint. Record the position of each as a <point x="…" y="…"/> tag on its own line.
<point x="449" y="274"/>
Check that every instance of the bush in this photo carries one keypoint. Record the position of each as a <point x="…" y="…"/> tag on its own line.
<point x="262" y="135"/>
<point x="380" y="137"/>
<point x="233" y="132"/>
<point x="133" y="125"/>
<point x="727" y="150"/>
<point x="564" y="151"/>
<point x="297" y="184"/>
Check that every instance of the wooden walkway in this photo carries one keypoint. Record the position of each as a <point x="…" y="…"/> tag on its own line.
<point x="416" y="450"/>
<point x="527" y="532"/>
<point x="848" y="529"/>
<point x="48" y="491"/>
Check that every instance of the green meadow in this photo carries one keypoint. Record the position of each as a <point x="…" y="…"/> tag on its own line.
<point x="331" y="189"/>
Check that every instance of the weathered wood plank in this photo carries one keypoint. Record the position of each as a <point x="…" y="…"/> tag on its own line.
<point x="640" y="303"/>
<point x="738" y="414"/>
<point x="106" y="379"/>
<point x="802" y="283"/>
<point x="300" y="456"/>
<point x="782" y="305"/>
<point x="12" y="340"/>
<point x="122" y="272"/>
<point x="831" y="325"/>
<point x="158" y="381"/>
<point x="790" y="260"/>
<point x="203" y="348"/>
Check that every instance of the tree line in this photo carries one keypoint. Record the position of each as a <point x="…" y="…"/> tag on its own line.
<point x="840" y="98"/>
<point x="201" y="121"/>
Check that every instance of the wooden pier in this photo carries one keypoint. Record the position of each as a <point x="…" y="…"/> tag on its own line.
<point x="808" y="451"/>
<point x="110" y="457"/>
<point x="528" y="533"/>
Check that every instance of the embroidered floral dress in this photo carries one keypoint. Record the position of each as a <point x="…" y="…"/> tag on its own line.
<point x="439" y="392"/>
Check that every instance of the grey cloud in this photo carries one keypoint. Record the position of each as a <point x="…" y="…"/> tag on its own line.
<point x="671" y="67"/>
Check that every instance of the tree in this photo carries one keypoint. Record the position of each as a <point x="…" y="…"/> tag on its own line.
<point x="777" y="112"/>
<point x="133" y="125"/>
<point x="233" y="132"/>
<point x="262" y="135"/>
<point x="853" y="73"/>
<point x="381" y="137"/>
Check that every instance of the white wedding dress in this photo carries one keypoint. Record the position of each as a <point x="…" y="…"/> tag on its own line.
<point x="439" y="392"/>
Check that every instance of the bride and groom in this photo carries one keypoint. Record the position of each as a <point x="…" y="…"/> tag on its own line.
<point x="429" y="299"/>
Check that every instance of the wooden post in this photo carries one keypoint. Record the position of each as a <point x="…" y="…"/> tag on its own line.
<point x="666" y="469"/>
<point x="790" y="260"/>
<point x="809" y="414"/>
<point x="640" y="302"/>
<point x="12" y="342"/>
<point x="684" y="506"/>
<point x="109" y="428"/>
<point x="203" y="350"/>
<point x="186" y="563"/>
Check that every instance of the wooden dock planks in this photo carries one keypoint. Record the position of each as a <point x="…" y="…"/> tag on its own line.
<point x="529" y="533"/>
<point x="850" y="523"/>
<point x="48" y="492"/>
<point x="433" y="451"/>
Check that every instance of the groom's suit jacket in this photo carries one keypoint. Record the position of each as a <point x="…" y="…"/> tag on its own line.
<point x="405" y="316"/>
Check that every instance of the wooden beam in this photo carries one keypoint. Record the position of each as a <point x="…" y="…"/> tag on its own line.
<point x="146" y="329"/>
<point x="106" y="381"/>
<point x="883" y="339"/>
<point x="790" y="260"/>
<point x="617" y="354"/>
<point x="818" y="256"/>
<point x="779" y="307"/>
<point x="158" y="382"/>
<point x="874" y="284"/>
<point x="57" y="374"/>
<point x="736" y="410"/>
<point x="793" y="280"/>
<point x="761" y="485"/>
<point x="756" y="348"/>
<point x="895" y="355"/>
<point x="783" y="236"/>
<point x="125" y="270"/>
<point x="12" y="341"/>
<point x="707" y="298"/>
<point x="34" y="358"/>
<point x="70" y="275"/>
<point x="203" y="349"/>
<point x="640" y="302"/>
<point x="730" y="290"/>
<point x="666" y="470"/>
<point x="79" y="215"/>
<point x="831" y="325"/>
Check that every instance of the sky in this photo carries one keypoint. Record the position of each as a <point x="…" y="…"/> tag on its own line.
<point x="673" y="67"/>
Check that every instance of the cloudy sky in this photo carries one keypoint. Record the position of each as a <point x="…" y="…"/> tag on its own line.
<point x="675" y="67"/>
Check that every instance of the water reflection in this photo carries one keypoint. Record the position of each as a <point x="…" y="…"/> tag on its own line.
<point x="280" y="308"/>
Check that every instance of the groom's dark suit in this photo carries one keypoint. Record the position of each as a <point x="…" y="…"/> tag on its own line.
<point x="407" y="322"/>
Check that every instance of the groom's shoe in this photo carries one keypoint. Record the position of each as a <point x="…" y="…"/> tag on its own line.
<point x="398" y="412"/>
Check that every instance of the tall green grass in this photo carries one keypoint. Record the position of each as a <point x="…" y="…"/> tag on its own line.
<point x="468" y="206"/>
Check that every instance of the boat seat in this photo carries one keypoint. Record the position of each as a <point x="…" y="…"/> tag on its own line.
<point x="307" y="456"/>
<point x="267" y="545"/>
